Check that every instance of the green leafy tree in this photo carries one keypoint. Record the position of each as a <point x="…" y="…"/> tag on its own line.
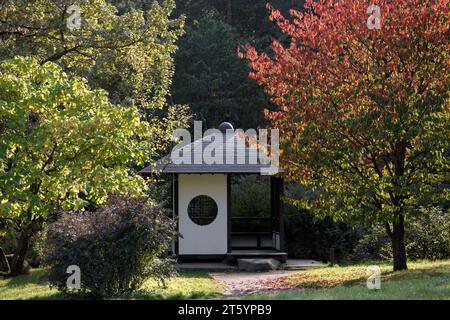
<point x="211" y="78"/>
<point x="124" y="6"/>
<point x="363" y="110"/>
<point x="62" y="145"/>
<point x="130" y="55"/>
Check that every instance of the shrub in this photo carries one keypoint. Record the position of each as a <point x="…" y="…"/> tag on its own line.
<point x="36" y="251"/>
<point x="4" y="263"/>
<point x="25" y="265"/>
<point x="427" y="237"/>
<point x="308" y="238"/>
<point x="117" y="247"/>
<point x="428" y="234"/>
<point x="305" y="237"/>
<point x="8" y="242"/>
<point x="373" y="245"/>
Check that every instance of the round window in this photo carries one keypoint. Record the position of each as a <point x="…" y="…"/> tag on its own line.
<point x="202" y="210"/>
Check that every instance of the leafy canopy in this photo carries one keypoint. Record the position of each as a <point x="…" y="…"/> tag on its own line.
<point x="61" y="143"/>
<point x="129" y="55"/>
<point x="363" y="113"/>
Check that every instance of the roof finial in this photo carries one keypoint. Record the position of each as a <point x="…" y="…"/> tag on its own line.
<point x="224" y="126"/>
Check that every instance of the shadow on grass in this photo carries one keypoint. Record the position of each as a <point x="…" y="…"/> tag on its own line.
<point x="36" y="276"/>
<point x="426" y="271"/>
<point x="356" y="274"/>
<point x="155" y="295"/>
<point x="187" y="285"/>
<point x="33" y="286"/>
<point x="194" y="274"/>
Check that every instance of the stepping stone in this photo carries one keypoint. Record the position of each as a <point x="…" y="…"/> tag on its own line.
<point x="210" y="266"/>
<point x="302" y="264"/>
<point x="257" y="264"/>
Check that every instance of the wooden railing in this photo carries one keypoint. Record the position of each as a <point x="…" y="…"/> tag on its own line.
<point x="249" y="225"/>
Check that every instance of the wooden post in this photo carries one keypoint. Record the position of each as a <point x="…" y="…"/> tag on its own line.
<point x="175" y="208"/>
<point x="272" y="205"/>
<point x="280" y="212"/>
<point x="332" y="257"/>
<point x="229" y="245"/>
<point x="276" y="208"/>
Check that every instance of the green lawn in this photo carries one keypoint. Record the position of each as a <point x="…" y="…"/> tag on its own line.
<point x="423" y="280"/>
<point x="188" y="285"/>
<point x="27" y="287"/>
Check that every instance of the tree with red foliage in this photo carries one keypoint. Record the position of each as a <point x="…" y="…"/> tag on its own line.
<point x="363" y="109"/>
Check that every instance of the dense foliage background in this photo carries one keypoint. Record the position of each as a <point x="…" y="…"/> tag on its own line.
<point x="362" y="112"/>
<point x="153" y="64"/>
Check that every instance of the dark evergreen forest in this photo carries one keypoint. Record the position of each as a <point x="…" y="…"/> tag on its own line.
<point x="209" y="76"/>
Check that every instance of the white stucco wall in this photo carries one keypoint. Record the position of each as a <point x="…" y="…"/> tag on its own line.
<point x="211" y="238"/>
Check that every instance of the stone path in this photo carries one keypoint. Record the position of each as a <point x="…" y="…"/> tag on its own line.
<point x="240" y="283"/>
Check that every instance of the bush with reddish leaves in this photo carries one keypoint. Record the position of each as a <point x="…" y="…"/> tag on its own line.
<point x="117" y="247"/>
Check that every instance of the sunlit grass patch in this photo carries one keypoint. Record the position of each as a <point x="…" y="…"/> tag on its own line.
<point x="32" y="286"/>
<point x="347" y="275"/>
<point x="187" y="285"/>
<point x="423" y="280"/>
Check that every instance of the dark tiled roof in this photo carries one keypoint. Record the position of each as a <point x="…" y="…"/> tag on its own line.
<point x="237" y="157"/>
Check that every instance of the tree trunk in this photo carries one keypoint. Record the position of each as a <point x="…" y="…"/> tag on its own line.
<point x="332" y="257"/>
<point x="229" y="13"/>
<point x="21" y="251"/>
<point x="398" y="244"/>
